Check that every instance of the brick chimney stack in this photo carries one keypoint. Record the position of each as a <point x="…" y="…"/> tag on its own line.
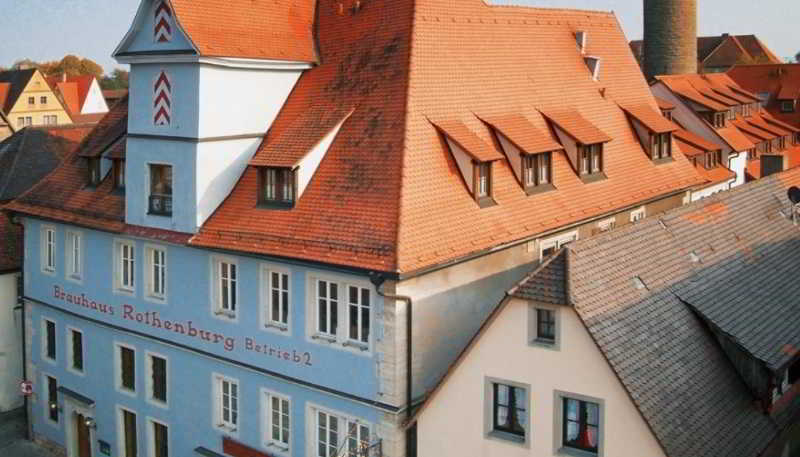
<point x="670" y="37"/>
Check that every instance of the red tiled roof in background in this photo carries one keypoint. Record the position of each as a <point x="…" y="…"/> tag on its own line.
<point x="697" y="141"/>
<point x="83" y="83"/>
<point x="716" y="175"/>
<point x="664" y="104"/>
<point x="468" y="141"/>
<point x="274" y="29"/>
<point x="788" y="92"/>
<point x="651" y="119"/>
<point x="5" y="88"/>
<point x="69" y="95"/>
<point x="526" y="136"/>
<point x="770" y="79"/>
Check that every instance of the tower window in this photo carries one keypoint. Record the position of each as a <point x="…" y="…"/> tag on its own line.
<point x="160" y="201"/>
<point x="119" y="174"/>
<point x="278" y="186"/>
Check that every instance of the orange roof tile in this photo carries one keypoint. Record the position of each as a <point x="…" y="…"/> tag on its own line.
<point x="754" y="134"/>
<point x="113" y="126"/>
<point x="576" y="126"/>
<point x="650" y="118"/>
<point x="664" y="104"/>
<point x="467" y="140"/>
<point x="274" y="29"/>
<point x="735" y="138"/>
<point x="769" y="79"/>
<point x="788" y="92"/>
<point x="526" y="136"/>
<point x="771" y="120"/>
<point x="5" y="88"/>
<point x="69" y="95"/>
<point x="753" y="169"/>
<point x="757" y="121"/>
<point x="697" y="140"/>
<point x="716" y="175"/>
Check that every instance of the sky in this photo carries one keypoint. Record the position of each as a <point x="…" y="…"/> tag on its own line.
<point x="50" y="29"/>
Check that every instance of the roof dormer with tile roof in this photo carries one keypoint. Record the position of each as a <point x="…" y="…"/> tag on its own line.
<point x="207" y="81"/>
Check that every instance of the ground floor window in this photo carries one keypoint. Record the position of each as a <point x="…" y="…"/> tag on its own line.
<point x="159" y="439"/>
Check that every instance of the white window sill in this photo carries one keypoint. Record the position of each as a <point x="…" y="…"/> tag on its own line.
<point x="227" y="428"/>
<point x="49" y="360"/>
<point x="225" y="314"/>
<point x="576" y="452"/>
<point x="507" y="437"/>
<point x="124" y="291"/>
<point x="281" y="327"/>
<point x="126" y="391"/>
<point x="330" y="339"/>
<point x="356" y="345"/>
<point x="76" y="372"/>
<point x="75" y="278"/>
<point x="278" y="447"/>
<point x="49" y="272"/>
<point x="158" y="403"/>
<point x="156" y="298"/>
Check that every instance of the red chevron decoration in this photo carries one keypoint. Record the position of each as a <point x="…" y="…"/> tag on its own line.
<point x="162" y="30"/>
<point x="162" y="100"/>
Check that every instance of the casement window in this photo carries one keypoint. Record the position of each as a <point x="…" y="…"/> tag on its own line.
<point x="49" y="340"/>
<point x="129" y="443"/>
<point x="278" y="186"/>
<point x="335" y="432"/>
<point x="93" y="171"/>
<point x="591" y="159"/>
<point x="358" y="304"/>
<point x="764" y="96"/>
<point x="227" y="403"/>
<point x="43" y="100"/>
<point x="537" y="170"/>
<point x="75" y="346"/>
<point x="482" y="183"/>
<point x="746" y="110"/>
<point x="782" y="143"/>
<point x="509" y="410"/>
<point x="638" y="214"/>
<point x="277" y="410"/>
<point x="48" y="248"/>
<point x="125" y="266"/>
<point x="31" y="100"/>
<point x="546" y="325"/>
<point x="157" y="379"/>
<point x="278" y="298"/>
<point x="160" y="200"/>
<point x="328" y="307"/>
<point x="226" y="274"/>
<point x="126" y="363"/>
<point x="74" y="256"/>
<point x="159" y="439"/>
<point x="661" y="145"/>
<point x="549" y="246"/>
<point x="52" y="398"/>
<point x="50" y="120"/>
<point x="580" y="427"/>
<point x="156" y="276"/>
<point x="119" y="174"/>
<point x="787" y="106"/>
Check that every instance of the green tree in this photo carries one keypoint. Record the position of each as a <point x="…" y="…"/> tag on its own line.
<point x="118" y="79"/>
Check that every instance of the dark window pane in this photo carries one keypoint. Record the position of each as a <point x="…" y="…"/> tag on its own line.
<point x="131" y="444"/>
<point x="52" y="397"/>
<point x="128" y="368"/>
<point x="159" y="378"/>
<point x="77" y="350"/>
<point x="161" y="438"/>
<point x="51" y="340"/>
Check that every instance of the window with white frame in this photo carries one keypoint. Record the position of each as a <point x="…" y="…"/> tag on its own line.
<point x="227" y="398"/>
<point x="128" y="440"/>
<point x="225" y="287"/>
<point x="48" y="249"/>
<point x="607" y="224"/>
<point x="277" y="311"/>
<point x="156" y="276"/>
<point x="340" y="436"/>
<point x="125" y="266"/>
<point x="327" y="307"/>
<point x="358" y="308"/>
<point x="277" y="410"/>
<point x="159" y="439"/>
<point x="638" y="214"/>
<point x="549" y="246"/>
<point x="52" y="399"/>
<point x="74" y="258"/>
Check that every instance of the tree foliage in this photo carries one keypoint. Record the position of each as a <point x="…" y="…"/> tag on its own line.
<point x="118" y="79"/>
<point x="72" y="65"/>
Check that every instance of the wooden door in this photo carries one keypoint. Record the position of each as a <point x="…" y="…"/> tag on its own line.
<point x="83" y="438"/>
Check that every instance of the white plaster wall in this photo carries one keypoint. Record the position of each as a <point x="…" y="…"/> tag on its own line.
<point x="464" y="162"/>
<point x="309" y="164"/>
<point x="737" y="163"/>
<point x="709" y="191"/>
<point x="570" y="146"/>
<point x="513" y="154"/>
<point x="140" y="36"/>
<point x="185" y="81"/>
<point x="241" y="102"/>
<point x="453" y="423"/>
<point x="220" y="164"/>
<point x="95" y="102"/>
<point x="10" y="344"/>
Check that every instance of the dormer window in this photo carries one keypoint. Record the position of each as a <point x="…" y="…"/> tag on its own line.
<point x="746" y="109"/>
<point x="712" y="159"/>
<point x="119" y="174"/>
<point x="591" y="159"/>
<point x="537" y="171"/>
<point x="93" y="171"/>
<point x="661" y="145"/>
<point x="717" y="119"/>
<point x="278" y="186"/>
<point x="483" y="181"/>
<point x="667" y="113"/>
<point x="787" y="106"/>
<point x="160" y="201"/>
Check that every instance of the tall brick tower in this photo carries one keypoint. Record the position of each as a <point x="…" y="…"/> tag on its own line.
<point x="670" y="37"/>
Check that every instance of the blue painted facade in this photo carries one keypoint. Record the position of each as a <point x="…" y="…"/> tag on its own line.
<point x="291" y="363"/>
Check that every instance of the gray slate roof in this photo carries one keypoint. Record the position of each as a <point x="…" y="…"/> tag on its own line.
<point x="735" y="259"/>
<point x="18" y="80"/>
<point x="548" y="285"/>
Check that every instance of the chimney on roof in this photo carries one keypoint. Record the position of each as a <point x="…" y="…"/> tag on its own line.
<point x="670" y="37"/>
<point x="581" y="37"/>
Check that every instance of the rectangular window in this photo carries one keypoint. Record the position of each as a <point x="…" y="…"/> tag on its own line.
<point x="607" y="224"/>
<point x="31" y="100"/>
<point x="581" y="425"/>
<point x="278" y="298"/>
<point x="661" y="145"/>
<point x="74" y="258"/>
<point x="327" y="435"/>
<point x="119" y="174"/>
<point x="545" y="325"/>
<point x="358" y="303"/>
<point x="638" y="214"/>
<point x="127" y="368"/>
<point x="20" y="122"/>
<point x="591" y="160"/>
<point x="130" y="443"/>
<point x="335" y="432"/>
<point x="159" y="440"/>
<point x="536" y="169"/>
<point x="126" y="266"/>
<point x="158" y="378"/>
<point x="160" y="201"/>
<point x="509" y="409"/>
<point x="49" y="249"/>
<point x="278" y="421"/>
<point x="28" y="121"/>
<point x="43" y="100"/>
<point x="550" y="246"/>
<point x="483" y="179"/>
<point x="226" y="273"/>
<point x="328" y="307"/>
<point x="228" y="403"/>
<point x="277" y="186"/>
<point x="76" y="350"/>
<point x="50" y="340"/>
<point x="157" y="272"/>
<point x="93" y="171"/>
<point x="52" y="398"/>
<point x="787" y="106"/>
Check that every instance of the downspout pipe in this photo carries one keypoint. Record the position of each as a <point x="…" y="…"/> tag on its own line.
<point x="377" y="280"/>
<point x="21" y="306"/>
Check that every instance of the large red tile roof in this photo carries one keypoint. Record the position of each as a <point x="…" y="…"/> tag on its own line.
<point x="526" y="136"/>
<point x="576" y="126"/>
<point x="111" y="128"/>
<point x="770" y="79"/>
<point x="651" y="118"/>
<point x="468" y="141"/>
<point x="697" y="141"/>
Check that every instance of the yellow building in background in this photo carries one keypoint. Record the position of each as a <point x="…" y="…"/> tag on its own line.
<point x="26" y="99"/>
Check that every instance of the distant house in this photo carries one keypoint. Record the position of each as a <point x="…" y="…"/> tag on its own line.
<point x="113" y="96"/>
<point x="25" y="158"/>
<point x="82" y="97"/>
<point x="602" y="351"/>
<point x="716" y="54"/>
<point x="27" y="100"/>
<point x="778" y="87"/>
<point x="6" y="128"/>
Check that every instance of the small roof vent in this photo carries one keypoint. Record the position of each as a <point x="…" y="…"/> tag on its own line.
<point x="694" y="257"/>
<point x="638" y="283"/>
<point x="594" y="66"/>
<point x="581" y="37"/>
